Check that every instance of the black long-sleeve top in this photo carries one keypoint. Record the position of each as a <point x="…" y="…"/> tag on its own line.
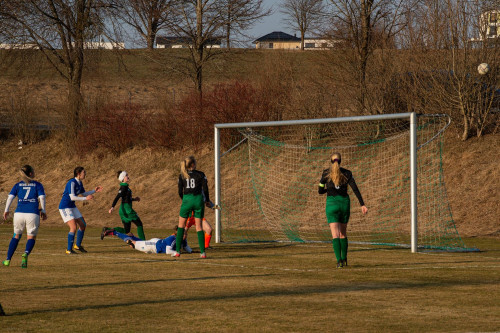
<point x="125" y="193"/>
<point x="328" y="187"/>
<point x="195" y="184"/>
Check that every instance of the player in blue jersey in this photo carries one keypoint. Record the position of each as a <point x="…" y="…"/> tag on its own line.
<point x="31" y="195"/>
<point x="154" y="245"/>
<point x="70" y="214"/>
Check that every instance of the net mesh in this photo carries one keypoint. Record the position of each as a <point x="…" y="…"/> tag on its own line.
<point x="270" y="176"/>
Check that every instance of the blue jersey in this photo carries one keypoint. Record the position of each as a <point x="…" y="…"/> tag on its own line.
<point x="161" y="245"/>
<point x="27" y="196"/>
<point x="74" y="187"/>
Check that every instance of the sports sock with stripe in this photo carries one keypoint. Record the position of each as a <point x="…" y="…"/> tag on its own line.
<point x="71" y="240"/>
<point x="30" y="244"/>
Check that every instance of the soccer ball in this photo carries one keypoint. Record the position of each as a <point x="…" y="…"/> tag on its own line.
<point x="483" y="68"/>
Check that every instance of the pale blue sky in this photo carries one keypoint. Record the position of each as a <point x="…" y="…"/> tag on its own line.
<point x="270" y="23"/>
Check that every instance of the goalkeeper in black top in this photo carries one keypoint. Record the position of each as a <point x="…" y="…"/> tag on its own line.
<point x="127" y="214"/>
<point x="334" y="181"/>
<point x="193" y="190"/>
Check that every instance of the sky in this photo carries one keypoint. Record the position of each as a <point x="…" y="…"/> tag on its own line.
<point x="270" y="23"/>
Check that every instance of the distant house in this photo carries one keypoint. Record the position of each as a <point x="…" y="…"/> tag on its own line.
<point x="490" y="24"/>
<point x="27" y="46"/>
<point x="164" y="42"/>
<point x="279" y="40"/>
<point x="103" y="45"/>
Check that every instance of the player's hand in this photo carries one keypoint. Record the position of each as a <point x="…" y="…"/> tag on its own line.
<point x="364" y="210"/>
<point x="89" y="197"/>
<point x="111" y="210"/>
<point x="5" y="215"/>
<point x="98" y="189"/>
<point x="209" y="204"/>
<point x="43" y="216"/>
<point x="137" y="199"/>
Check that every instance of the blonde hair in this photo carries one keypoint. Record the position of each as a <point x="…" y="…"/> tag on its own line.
<point x="335" y="175"/>
<point x="187" y="164"/>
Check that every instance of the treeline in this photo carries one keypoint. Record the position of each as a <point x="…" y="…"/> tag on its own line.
<point x="387" y="56"/>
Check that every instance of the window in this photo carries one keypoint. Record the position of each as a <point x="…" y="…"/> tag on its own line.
<point x="310" y="46"/>
<point x="493" y="30"/>
<point x="271" y="45"/>
<point x="493" y="17"/>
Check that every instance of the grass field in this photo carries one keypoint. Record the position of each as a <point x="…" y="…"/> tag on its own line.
<point x="246" y="288"/>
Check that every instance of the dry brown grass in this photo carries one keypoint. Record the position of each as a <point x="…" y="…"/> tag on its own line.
<point x="247" y="288"/>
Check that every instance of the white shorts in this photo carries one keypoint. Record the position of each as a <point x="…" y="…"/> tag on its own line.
<point x="69" y="214"/>
<point x="29" y="221"/>
<point x="148" y="246"/>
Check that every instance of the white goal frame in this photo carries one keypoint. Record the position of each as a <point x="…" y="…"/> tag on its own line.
<point x="412" y="116"/>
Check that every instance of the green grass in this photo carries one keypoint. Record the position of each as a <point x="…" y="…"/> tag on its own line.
<point x="246" y="287"/>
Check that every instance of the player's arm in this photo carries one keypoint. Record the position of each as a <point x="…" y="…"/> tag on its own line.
<point x="180" y="187"/>
<point x="10" y="198"/>
<point x="322" y="184"/>
<point x="115" y="201"/>
<point x="206" y="195"/>
<point x="356" y="191"/>
<point x="73" y="196"/>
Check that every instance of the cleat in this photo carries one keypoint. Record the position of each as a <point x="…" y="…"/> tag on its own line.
<point x="105" y="232"/>
<point x="344" y="263"/>
<point x="339" y="264"/>
<point x="70" y="251"/>
<point x="203" y="256"/>
<point x="176" y="254"/>
<point x="6" y="262"/>
<point x="24" y="260"/>
<point x="130" y="243"/>
<point x="80" y="248"/>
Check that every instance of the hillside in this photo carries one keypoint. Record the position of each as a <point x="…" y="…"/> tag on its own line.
<point x="471" y="175"/>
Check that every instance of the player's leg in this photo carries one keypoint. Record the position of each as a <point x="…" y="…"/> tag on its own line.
<point x="201" y="236"/>
<point x="335" y="230"/>
<point x="79" y="234"/>
<point x="140" y="228"/>
<point x="19" y="224"/>
<point x="343" y="243"/>
<point x="180" y="234"/>
<point x="32" y="224"/>
<point x="71" y="236"/>
<point x="207" y="228"/>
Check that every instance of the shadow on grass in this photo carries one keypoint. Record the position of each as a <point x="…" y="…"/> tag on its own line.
<point x="253" y="294"/>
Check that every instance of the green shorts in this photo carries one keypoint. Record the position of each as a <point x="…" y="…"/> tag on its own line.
<point x="127" y="213"/>
<point x="338" y="209"/>
<point x="192" y="203"/>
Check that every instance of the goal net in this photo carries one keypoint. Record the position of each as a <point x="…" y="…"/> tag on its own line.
<point x="269" y="177"/>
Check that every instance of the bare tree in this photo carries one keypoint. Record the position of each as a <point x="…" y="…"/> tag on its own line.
<point x="146" y="17"/>
<point x="60" y="30"/>
<point x="240" y="15"/>
<point x="303" y="15"/>
<point x="364" y="26"/>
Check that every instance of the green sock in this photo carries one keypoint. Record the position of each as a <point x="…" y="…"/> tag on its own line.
<point x="178" y="239"/>
<point x="201" y="240"/>
<point x="140" y="232"/>
<point x="343" y="248"/>
<point x="120" y="230"/>
<point x="336" y="248"/>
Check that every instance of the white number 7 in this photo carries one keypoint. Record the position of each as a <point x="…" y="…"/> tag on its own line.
<point x="28" y="189"/>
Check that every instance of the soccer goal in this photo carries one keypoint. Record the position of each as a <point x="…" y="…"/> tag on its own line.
<point x="267" y="175"/>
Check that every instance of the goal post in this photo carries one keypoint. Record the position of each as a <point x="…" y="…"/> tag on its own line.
<point x="266" y="176"/>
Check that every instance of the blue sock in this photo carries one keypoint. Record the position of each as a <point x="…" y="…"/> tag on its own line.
<point x="29" y="246"/>
<point x="12" y="247"/>
<point x="71" y="239"/>
<point x="126" y="237"/>
<point x="79" y="237"/>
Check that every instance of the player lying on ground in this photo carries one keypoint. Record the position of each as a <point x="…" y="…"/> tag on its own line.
<point x="154" y="245"/>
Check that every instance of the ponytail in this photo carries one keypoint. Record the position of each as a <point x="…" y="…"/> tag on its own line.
<point x="27" y="173"/>
<point x="335" y="175"/>
<point x="186" y="165"/>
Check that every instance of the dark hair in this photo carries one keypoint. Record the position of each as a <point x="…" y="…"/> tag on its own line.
<point x="77" y="171"/>
<point x="118" y="174"/>
<point x="27" y="172"/>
